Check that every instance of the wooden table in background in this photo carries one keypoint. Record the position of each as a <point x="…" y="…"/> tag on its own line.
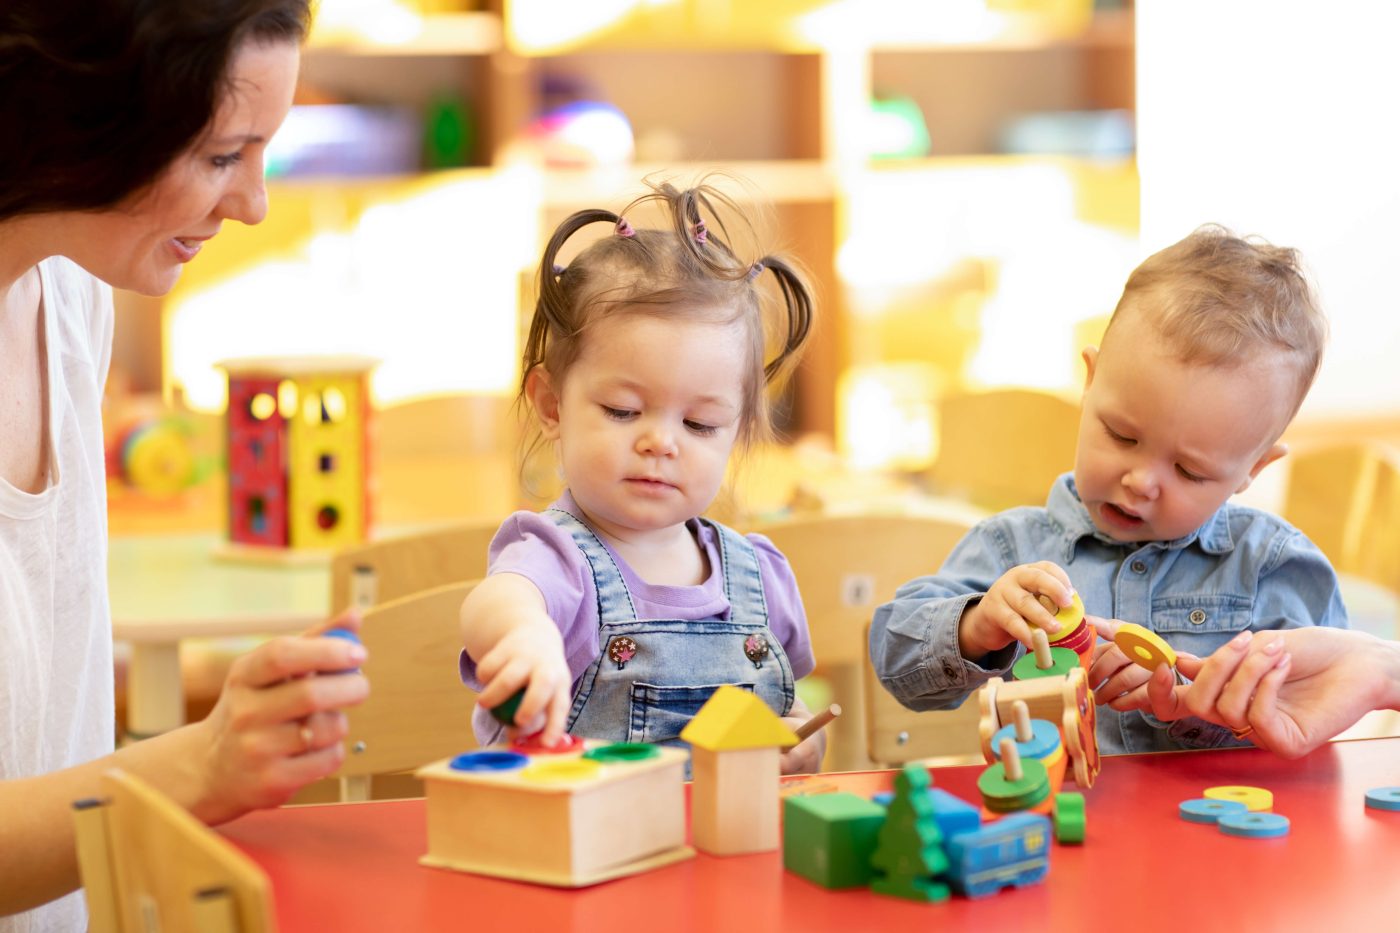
<point x="350" y="867"/>
<point x="166" y="588"/>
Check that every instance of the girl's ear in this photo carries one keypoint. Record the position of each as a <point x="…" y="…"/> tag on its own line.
<point x="539" y="389"/>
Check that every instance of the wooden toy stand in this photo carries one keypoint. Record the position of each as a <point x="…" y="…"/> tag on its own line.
<point x="561" y="820"/>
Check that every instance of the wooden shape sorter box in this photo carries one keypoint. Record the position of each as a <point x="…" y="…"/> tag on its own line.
<point x="566" y="820"/>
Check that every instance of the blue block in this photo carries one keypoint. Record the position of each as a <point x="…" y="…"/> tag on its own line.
<point x="954" y="815"/>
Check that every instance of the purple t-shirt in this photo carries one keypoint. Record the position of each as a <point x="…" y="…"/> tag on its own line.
<point x="532" y="545"/>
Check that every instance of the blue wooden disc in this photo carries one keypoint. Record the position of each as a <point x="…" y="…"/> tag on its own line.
<point x="488" y="761"/>
<point x="1045" y="738"/>
<point x="1207" y="810"/>
<point x="1254" y="825"/>
<point x="1383" y="798"/>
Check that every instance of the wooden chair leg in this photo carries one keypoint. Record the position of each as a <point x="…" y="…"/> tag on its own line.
<point x="95" y="865"/>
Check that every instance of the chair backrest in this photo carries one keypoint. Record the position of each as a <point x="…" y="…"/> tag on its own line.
<point x="845" y="566"/>
<point x="147" y="864"/>
<point x="411" y="563"/>
<point x="418" y="710"/>
<point x="1347" y="500"/>
<point x="1003" y="448"/>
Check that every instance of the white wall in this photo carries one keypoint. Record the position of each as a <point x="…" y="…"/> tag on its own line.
<point x="1281" y="118"/>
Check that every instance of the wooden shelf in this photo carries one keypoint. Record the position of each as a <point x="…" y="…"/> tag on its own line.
<point x="439" y="34"/>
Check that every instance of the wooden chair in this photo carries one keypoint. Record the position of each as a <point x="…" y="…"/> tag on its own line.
<point x="1003" y="448"/>
<point x="845" y="566"/>
<point x="418" y="710"/>
<point x="147" y="864"/>
<point x="896" y="734"/>
<point x="385" y="570"/>
<point x="1347" y="500"/>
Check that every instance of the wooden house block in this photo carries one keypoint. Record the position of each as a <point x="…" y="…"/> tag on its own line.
<point x="735" y="747"/>
<point x="298" y="452"/>
<point x="568" y="820"/>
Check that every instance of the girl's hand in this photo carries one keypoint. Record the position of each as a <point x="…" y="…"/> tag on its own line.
<point x="806" y="756"/>
<point x="276" y="727"/>
<point x="530" y="655"/>
<point x="1010" y="609"/>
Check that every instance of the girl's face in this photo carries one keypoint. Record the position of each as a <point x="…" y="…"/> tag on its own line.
<point x="646" y="418"/>
<point x="143" y="242"/>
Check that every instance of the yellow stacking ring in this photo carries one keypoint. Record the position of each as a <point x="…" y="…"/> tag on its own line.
<point x="1255" y="798"/>
<point x="1144" y="647"/>
<point x="1069" y="618"/>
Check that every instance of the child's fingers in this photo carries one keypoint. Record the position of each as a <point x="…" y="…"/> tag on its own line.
<point x="502" y="684"/>
<point x="1106" y="628"/>
<point x="1108" y="660"/>
<point x="556" y="716"/>
<point x="1123" y="680"/>
<point x="1164" y="697"/>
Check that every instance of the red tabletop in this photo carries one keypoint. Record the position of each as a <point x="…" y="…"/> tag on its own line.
<point x="349" y="867"/>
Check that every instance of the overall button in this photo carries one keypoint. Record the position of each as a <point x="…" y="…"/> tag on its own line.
<point x="1197" y="617"/>
<point x="621" y="650"/>
<point x="756" y="649"/>
<point x="1139" y="567"/>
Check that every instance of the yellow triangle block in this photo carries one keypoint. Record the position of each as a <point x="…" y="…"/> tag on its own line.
<point x="735" y="718"/>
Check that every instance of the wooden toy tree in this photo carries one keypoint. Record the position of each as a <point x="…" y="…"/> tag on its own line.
<point x="909" y="852"/>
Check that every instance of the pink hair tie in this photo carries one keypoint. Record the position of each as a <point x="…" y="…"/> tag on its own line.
<point x="624" y="228"/>
<point x="558" y="270"/>
<point x="701" y="234"/>
<point x="755" y="271"/>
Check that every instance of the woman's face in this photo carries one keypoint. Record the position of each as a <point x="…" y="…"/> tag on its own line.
<point x="142" y="243"/>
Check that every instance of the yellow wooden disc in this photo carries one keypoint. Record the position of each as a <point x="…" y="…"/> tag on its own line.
<point x="561" y="771"/>
<point x="1069" y="618"/>
<point x="1255" y="798"/>
<point x="1144" y="647"/>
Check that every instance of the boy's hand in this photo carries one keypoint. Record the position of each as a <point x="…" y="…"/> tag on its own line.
<point x="1115" y="678"/>
<point x="1010" y="609"/>
<point x="530" y="655"/>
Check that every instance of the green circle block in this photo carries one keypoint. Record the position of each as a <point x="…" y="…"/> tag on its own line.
<point x="623" y="752"/>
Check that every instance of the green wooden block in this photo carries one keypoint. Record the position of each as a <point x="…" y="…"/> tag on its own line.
<point x="829" y="838"/>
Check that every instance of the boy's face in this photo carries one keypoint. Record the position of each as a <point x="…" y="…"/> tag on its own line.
<point x="646" y="419"/>
<point x="1162" y="443"/>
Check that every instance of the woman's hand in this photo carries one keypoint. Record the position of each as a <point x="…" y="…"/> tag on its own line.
<point x="278" y="724"/>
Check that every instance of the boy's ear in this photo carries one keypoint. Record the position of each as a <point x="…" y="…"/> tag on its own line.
<point x="1091" y="357"/>
<point x="539" y="389"/>
<point x="1269" y="456"/>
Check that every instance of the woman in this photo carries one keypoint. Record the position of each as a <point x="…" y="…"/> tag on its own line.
<point x="133" y="129"/>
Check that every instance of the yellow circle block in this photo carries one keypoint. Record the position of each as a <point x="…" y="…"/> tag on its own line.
<point x="1255" y="798"/>
<point x="1069" y="618"/>
<point x="562" y="771"/>
<point x="1144" y="647"/>
<point x="159" y="461"/>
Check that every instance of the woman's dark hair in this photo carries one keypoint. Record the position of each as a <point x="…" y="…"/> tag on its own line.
<point x="98" y="96"/>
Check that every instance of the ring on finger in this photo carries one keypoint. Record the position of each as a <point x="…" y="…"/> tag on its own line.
<point x="308" y="735"/>
<point x="1242" y="733"/>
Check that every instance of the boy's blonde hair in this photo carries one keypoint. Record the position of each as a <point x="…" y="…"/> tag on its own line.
<point x="1218" y="299"/>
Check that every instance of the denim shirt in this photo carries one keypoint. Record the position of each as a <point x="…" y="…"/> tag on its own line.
<point x="1242" y="569"/>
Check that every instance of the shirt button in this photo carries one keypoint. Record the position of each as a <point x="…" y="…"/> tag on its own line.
<point x="1197" y="616"/>
<point x="1139" y="567"/>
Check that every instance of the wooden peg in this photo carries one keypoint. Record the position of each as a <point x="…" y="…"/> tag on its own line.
<point x="1040" y="642"/>
<point x="1011" y="759"/>
<point x="1022" y="716"/>
<point x="818" y="721"/>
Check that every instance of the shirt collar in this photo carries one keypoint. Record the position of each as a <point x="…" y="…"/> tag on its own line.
<point x="1067" y="511"/>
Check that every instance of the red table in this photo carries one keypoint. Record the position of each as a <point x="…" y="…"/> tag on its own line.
<point x="348" y="867"/>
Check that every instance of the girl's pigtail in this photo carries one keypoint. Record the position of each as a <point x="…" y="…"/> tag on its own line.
<point x="552" y="311"/>
<point x="797" y="299"/>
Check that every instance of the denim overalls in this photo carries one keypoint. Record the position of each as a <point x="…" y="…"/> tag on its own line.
<point x="652" y="676"/>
